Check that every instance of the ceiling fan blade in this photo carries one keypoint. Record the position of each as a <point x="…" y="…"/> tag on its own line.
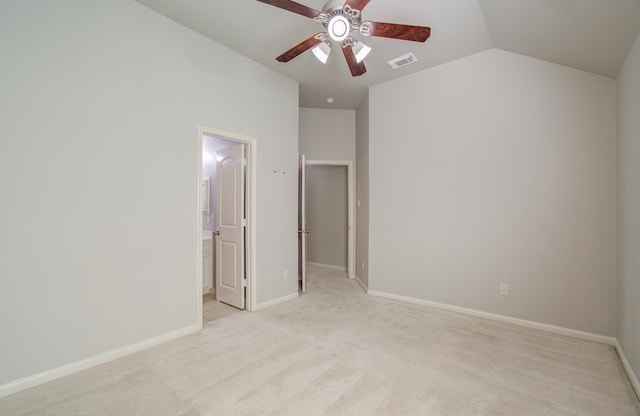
<point x="357" y="4"/>
<point x="292" y="6"/>
<point x="301" y="47"/>
<point x="395" y="31"/>
<point x="356" y="68"/>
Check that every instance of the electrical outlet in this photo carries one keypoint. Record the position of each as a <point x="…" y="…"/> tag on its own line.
<point x="504" y="289"/>
<point x="286" y="274"/>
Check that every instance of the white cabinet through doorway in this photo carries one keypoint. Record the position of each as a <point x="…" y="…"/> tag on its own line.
<point x="207" y="265"/>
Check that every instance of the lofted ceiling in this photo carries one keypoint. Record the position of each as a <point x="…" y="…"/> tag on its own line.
<point x="591" y="35"/>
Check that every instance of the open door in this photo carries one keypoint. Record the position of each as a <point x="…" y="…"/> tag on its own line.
<point x="302" y="227"/>
<point x="230" y="225"/>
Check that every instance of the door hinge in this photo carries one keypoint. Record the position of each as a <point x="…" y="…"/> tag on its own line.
<point x="244" y="222"/>
<point x="244" y="282"/>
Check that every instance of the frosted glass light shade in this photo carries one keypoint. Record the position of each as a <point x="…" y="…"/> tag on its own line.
<point x="339" y="28"/>
<point x="360" y="50"/>
<point x="322" y="51"/>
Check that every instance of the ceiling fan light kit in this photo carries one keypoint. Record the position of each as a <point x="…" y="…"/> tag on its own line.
<point x="340" y="18"/>
<point x="361" y="51"/>
<point x="322" y="51"/>
<point x="338" y="28"/>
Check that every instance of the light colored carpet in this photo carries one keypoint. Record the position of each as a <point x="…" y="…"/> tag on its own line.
<point x="213" y="310"/>
<point x="337" y="351"/>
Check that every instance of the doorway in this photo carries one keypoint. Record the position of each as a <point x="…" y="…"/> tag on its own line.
<point x="326" y="191"/>
<point x="225" y="227"/>
<point x="327" y="222"/>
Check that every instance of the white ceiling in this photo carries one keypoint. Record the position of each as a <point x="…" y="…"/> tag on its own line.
<point x="592" y="35"/>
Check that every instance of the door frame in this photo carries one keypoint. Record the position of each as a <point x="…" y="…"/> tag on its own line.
<point x="250" y="205"/>
<point x="351" y="248"/>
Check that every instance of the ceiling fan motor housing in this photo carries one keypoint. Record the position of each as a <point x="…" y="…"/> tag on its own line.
<point x="336" y="17"/>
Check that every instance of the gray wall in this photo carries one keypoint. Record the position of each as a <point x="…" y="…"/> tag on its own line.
<point x="497" y="168"/>
<point x="327" y="216"/>
<point x="327" y="134"/>
<point x="362" y="191"/>
<point x="629" y="208"/>
<point x="99" y="105"/>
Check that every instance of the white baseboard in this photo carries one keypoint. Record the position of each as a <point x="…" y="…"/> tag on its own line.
<point x="72" y="368"/>
<point x="274" y="302"/>
<point x="327" y="266"/>
<point x="627" y="368"/>
<point x="362" y="285"/>
<point x="500" y="318"/>
<point x="633" y="379"/>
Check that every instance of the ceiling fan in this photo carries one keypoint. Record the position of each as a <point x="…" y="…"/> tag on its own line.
<point x="340" y="18"/>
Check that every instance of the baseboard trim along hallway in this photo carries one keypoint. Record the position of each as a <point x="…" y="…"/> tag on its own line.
<point x="633" y="379"/>
<point x="362" y="285"/>
<point x="327" y="266"/>
<point x="78" y="366"/>
<point x="587" y="336"/>
<point x="75" y="367"/>
<point x="274" y="302"/>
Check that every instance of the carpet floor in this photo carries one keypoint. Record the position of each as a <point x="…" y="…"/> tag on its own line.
<point x="337" y="351"/>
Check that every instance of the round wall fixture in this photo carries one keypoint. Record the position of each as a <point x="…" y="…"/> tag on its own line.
<point x="338" y="28"/>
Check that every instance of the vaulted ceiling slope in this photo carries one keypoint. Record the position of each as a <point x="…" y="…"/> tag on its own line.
<point x="590" y="35"/>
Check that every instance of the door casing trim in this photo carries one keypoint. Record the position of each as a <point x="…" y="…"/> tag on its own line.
<point x="351" y="248"/>
<point x="250" y="201"/>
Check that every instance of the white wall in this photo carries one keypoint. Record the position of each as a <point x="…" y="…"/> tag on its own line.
<point x="99" y="105"/>
<point x="497" y="168"/>
<point x="628" y="208"/>
<point x="362" y="190"/>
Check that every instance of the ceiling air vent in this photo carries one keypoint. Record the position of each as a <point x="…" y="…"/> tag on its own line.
<point x="403" y="60"/>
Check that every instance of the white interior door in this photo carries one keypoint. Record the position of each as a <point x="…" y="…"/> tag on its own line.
<point x="230" y="225"/>
<point x="302" y="226"/>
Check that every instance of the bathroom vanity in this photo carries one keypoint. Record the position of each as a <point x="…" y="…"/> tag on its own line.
<point x="207" y="261"/>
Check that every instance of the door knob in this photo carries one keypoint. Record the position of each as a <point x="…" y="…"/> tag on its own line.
<point x="216" y="233"/>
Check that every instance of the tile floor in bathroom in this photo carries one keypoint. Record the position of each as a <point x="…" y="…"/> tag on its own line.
<point x="212" y="309"/>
